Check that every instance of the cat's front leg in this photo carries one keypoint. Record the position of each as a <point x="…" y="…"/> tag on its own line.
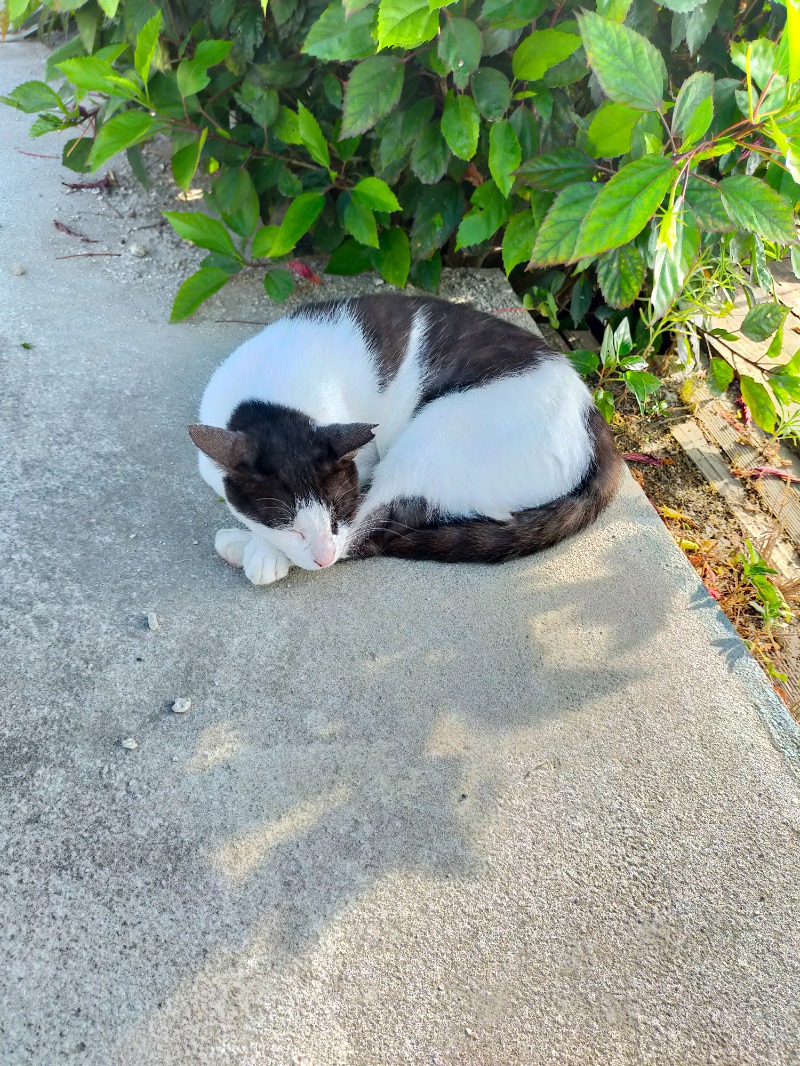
<point x="231" y="543"/>
<point x="262" y="563"/>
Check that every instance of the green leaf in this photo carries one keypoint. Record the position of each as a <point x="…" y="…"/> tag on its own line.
<point x="542" y="50"/>
<point x="620" y="274"/>
<point x="625" y="205"/>
<point x="611" y="129"/>
<point x="185" y="161"/>
<point x="406" y="23"/>
<point x="489" y="212"/>
<point x="339" y="36"/>
<point x="671" y="265"/>
<point x="700" y="23"/>
<point x="694" y="108"/>
<point x="95" y="74"/>
<point x="705" y="201"/>
<point x="33" y="96"/>
<point x="461" y="125"/>
<point x="201" y="230"/>
<point x="604" y="401"/>
<point x="505" y="155"/>
<point x="236" y="199"/>
<point x="759" y="401"/>
<point x="430" y="155"/>
<point x="359" y="221"/>
<point x="762" y="320"/>
<point x="263" y="242"/>
<point x="146" y="44"/>
<point x="373" y="90"/>
<point x="629" y="68"/>
<point x="136" y="163"/>
<point x="298" y="220"/>
<point x="520" y="233"/>
<point x="792" y="34"/>
<point x="75" y="154"/>
<point x="491" y="90"/>
<point x="196" y="289"/>
<point x="558" y="236"/>
<point x="286" y="126"/>
<point x="311" y="136"/>
<point x="616" y="10"/>
<point x="460" y="45"/>
<point x="754" y="206"/>
<point x="376" y="194"/>
<point x="720" y="375"/>
<point x="394" y="257"/>
<point x="512" y="14"/>
<point x="109" y="7"/>
<point x="557" y="169"/>
<point x="584" y="361"/>
<point x="436" y="216"/>
<point x="193" y="73"/>
<point x="119" y="133"/>
<point x="350" y="258"/>
<point x="642" y="384"/>
<point x="87" y="20"/>
<point x="279" y="285"/>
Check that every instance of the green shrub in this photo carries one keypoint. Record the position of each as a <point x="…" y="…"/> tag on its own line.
<point x="636" y="156"/>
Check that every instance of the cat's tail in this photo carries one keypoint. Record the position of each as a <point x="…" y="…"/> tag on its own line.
<point x="404" y="530"/>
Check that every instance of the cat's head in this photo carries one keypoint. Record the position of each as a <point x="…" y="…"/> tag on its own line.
<point x="290" y="480"/>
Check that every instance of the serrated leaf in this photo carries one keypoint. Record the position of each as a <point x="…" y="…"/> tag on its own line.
<point x="201" y="230"/>
<point x="339" y="36"/>
<point x="720" y="375"/>
<point x="611" y="129"/>
<point x="459" y="48"/>
<point x="759" y="402"/>
<point x="185" y="161"/>
<point x="700" y="22"/>
<point x="436" y="216"/>
<point x="642" y="384"/>
<point x="372" y="91"/>
<point x="33" y="96"/>
<point x="195" y="290"/>
<point x="629" y="68"/>
<point x="518" y="238"/>
<point x="706" y="203"/>
<point x="430" y="155"/>
<point x="146" y="44"/>
<point x="279" y="285"/>
<point x="350" y="258"/>
<point x="489" y="212"/>
<point x="95" y="74"/>
<point x="119" y="133"/>
<point x="512" y="14"/>
<point x="542" y="50"/>
<point x="394" y="256"/>
<point x="694" y="107"/>
<point x="625" y="205"/>
<point x="491" y="90"/>
<point x="311" y="136"/>
<point x="683" y="7"/>
<point x="461" y="125"/>
<point x="376" y="194"/>
<point x="557" y="169"/>
<point x="584" y="361"/>
<point x="762" y="320"/>
<point x="620" y="274"/>
<point x="754" y="206"/>
<point x="558" y="235"/>
<point x="405" y="23"/>
<point x="75" y="154"/>
<point x="359" y="222"/>
<point x="505" y="155"/>
<point x="300" y="216"/>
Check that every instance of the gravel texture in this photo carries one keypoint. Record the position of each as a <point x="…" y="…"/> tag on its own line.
<point x="545" y="813"/>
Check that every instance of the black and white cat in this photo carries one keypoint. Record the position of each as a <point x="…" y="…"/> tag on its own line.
<point x="404" y="426"/>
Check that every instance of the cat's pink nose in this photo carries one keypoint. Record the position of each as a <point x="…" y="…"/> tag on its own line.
<point x="325" y="554"/>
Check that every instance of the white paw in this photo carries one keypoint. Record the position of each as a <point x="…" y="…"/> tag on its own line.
<point x="264" y="564"/>
<point x="231" y="543"/>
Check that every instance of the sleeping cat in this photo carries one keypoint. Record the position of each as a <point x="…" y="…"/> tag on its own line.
<point x="404" y="426"/>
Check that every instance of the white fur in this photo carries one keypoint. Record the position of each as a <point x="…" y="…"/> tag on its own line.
<point x="514" y="443"/>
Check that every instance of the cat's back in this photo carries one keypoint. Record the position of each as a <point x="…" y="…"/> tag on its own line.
<point x="304" y="360"/>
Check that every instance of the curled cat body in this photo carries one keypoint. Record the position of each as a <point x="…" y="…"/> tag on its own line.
<point x="400" y="426"/>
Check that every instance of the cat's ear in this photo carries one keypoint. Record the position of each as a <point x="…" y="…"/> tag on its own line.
<point x="228" y="448"/>
<point x="344" y="439"/>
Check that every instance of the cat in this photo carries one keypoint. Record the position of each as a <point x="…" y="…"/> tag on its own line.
<point x="403" y="426"/>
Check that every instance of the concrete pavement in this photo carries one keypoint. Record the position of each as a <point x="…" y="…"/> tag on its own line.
<point x="546" y="813"/>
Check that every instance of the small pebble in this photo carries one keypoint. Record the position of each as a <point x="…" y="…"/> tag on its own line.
<point x="138" y="250"/>
<point x="152" y="622"/>
<point x="131" y="536"/>
<point x="181" y="706"/>
<point x="129" y="744"/>
<point x="18" y="270"/>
